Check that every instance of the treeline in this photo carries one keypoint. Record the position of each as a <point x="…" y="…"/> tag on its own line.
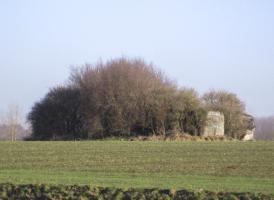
<point x="265" y="128"/>
<point x="126" y="98"/>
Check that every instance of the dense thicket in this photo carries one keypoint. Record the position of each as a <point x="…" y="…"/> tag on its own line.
<point x="126" y="97"/>
<point x="59" y="115"/>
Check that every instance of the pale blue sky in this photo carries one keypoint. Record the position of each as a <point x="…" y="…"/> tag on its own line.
<point x="206" y="44"/>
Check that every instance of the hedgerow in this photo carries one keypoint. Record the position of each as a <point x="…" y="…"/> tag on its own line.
<point x="49" y="192"/>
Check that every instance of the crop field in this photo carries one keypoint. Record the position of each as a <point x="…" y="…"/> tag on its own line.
<point x="215" y="166"/>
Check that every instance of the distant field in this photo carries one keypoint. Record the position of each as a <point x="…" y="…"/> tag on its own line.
<point x="228" y="166"/>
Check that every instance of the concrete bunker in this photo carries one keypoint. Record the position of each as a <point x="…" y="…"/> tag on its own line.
<point x="215" y="124"/>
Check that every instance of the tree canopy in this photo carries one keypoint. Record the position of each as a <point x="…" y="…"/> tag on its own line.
<point x="124" y="98"/>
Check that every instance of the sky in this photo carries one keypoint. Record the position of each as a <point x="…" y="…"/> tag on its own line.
<point x="202" y="44"/>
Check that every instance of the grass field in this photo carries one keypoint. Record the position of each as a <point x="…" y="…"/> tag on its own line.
<point x="226" y="166"/>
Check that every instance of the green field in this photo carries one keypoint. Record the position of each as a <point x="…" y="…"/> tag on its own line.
<point x="226" y="166"/>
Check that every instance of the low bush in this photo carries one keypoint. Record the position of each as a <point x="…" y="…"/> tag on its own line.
<point x="49" y="192"/>
<point x="174" y="137"/>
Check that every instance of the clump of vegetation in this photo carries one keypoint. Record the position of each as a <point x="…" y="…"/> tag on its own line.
<point x="48" y="192"/>
<point x="127" y="98"/>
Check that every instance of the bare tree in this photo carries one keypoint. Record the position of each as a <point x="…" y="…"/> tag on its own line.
<point x="12" y="120"/>
<point x="1" y="118"/>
